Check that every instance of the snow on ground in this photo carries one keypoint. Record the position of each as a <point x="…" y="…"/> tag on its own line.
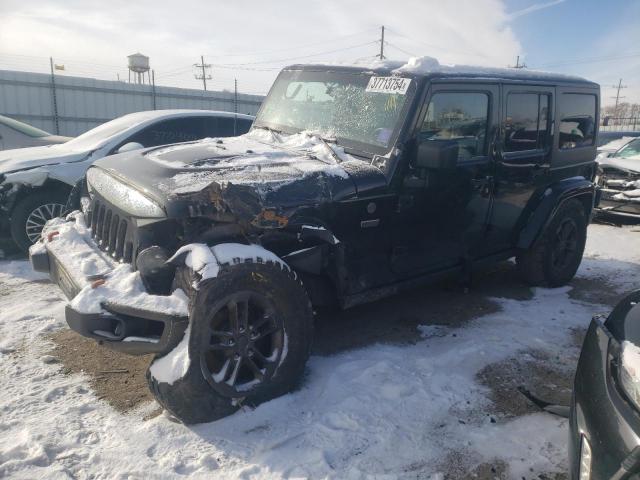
<point x="386" y="411"/>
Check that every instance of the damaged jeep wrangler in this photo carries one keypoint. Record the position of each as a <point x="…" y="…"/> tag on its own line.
<point x="353" y="184"/>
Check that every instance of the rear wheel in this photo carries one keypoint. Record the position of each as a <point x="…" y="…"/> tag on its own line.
<point x="250" y="337"/>
<point x="32" y="212"/>
<point x="554" y="259"/>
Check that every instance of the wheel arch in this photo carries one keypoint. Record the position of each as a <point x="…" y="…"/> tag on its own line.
<point x="553" y="197"/>
<point x="49" y="185"/>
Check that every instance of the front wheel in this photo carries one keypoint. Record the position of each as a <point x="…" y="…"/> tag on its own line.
<point x="249" y="339"/>
<point x="554" y="259"/>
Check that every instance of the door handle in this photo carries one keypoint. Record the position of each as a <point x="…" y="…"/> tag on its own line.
<point x="483" y="185"/>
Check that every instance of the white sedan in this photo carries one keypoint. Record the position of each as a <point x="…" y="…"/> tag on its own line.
<point x="35" y="182"/>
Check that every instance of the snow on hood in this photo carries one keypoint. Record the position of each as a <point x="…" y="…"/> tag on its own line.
<point x="628" y="164"/>
<point x="260" y="158"/>
<point x="24" y="158"/>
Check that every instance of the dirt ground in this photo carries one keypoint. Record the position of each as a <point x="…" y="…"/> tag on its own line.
<point x="116" y="378"/>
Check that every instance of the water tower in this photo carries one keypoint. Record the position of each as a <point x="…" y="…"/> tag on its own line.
<point x="139" y="65"/>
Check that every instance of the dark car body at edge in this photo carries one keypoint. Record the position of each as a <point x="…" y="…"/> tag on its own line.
<point x="601" y="414"/>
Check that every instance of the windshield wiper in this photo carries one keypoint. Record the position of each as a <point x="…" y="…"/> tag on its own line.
<point x="268" y="129"/>
<point x="329" y="147"/>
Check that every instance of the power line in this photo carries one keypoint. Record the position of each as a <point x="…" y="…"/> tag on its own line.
<point x="298" y="47"/>
<point x="590" y="60"/>
<point x="326" y="52"/>
<point x="446" y="48"/>
<point x="401" y="49"/>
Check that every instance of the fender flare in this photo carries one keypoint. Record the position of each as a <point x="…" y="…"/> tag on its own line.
<point x="206" y="260"/>
<point x="551" y="200"/>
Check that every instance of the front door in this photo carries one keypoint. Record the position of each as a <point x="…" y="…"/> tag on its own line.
<point x="523" y="158"/>
<point x="442" y="214"/>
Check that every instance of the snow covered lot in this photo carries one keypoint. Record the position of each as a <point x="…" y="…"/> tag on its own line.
<point x="408" y="387"/>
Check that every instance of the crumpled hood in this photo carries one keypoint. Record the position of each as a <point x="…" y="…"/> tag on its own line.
<point x="631" y="164"/>
<point x="24" y="158"/>
<point x="291" y="170"/>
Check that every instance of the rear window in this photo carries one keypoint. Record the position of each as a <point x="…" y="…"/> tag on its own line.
<point x="578" y="120"/>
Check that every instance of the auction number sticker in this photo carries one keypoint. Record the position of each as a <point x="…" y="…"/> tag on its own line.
<point x="397" y="85"/>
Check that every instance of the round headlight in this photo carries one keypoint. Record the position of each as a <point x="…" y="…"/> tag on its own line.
<point x="122" y="195"/>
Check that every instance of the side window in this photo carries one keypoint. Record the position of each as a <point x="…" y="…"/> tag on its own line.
<point x="219" y="127"/>
<point x="578" y="121"/>
<point x="175" y="130"/>
<point x="526" y="122"/>
<point x="458" y="116"/>
<point x="243" y="126"/>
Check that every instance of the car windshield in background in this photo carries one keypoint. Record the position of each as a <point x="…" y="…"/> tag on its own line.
<point x="631" y="149"/>
<point x="357" y="110"/>
<point x="23" y="127"/>
<point x="97" y="136"/>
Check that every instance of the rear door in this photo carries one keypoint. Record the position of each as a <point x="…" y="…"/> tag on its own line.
<point x="523" y="158"/>
<point x="443" y="215"/>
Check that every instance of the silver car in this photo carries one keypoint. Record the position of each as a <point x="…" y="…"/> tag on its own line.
<point x="15" y="134"/>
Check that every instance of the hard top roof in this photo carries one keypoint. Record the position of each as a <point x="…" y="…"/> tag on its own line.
<point x="431" y="68"/>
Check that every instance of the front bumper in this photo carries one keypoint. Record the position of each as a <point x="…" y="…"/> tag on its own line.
<point x="599" y="411"/>
<point x="629" y="208"/>
<point x="120" y="325"/>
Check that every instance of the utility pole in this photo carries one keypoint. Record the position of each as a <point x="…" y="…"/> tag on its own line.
<point x="618" y="97"/>
<point x="153" y="88"/>
<point x="54" y="98"/>
<point x="519" y="65"/>
<point x="235" y="106"/>
<point x="204" y="76"/>
<point x="382" y="57"/>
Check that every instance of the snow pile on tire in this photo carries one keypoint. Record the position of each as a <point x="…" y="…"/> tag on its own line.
<point x="174" y="365"/>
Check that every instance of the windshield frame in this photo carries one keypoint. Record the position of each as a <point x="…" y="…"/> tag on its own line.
<point x="360" y="148"/>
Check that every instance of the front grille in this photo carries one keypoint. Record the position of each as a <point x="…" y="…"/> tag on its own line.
<point x="109" y="230"/>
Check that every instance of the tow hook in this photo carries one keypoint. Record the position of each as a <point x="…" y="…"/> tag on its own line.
<point x="52" y="235"/>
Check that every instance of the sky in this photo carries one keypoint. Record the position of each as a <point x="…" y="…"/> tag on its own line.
<point x="251" y="40"/>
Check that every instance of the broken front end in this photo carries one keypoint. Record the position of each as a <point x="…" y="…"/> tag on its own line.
<point x="113" y="258"/>
<point x="620" y="191"/>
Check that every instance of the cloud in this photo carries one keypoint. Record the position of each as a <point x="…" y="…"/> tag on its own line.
<point x="533" y="8"/>
<point x="93" y="38"/>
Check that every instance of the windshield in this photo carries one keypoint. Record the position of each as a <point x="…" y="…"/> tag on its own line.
<point x="631" y="149"/>
<point x="357" y="110"/>
<point x="23" y="127"/>
<point x="97" y="137"/>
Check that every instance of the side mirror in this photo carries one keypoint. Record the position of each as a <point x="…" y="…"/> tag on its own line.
<point x="437" y="154"/>
<point x="128" y="147"/>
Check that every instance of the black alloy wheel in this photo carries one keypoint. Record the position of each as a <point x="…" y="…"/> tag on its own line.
<point x="245" y="342"/>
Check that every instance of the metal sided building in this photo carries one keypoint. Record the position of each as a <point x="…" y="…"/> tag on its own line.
<point x="72" y="105"/>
